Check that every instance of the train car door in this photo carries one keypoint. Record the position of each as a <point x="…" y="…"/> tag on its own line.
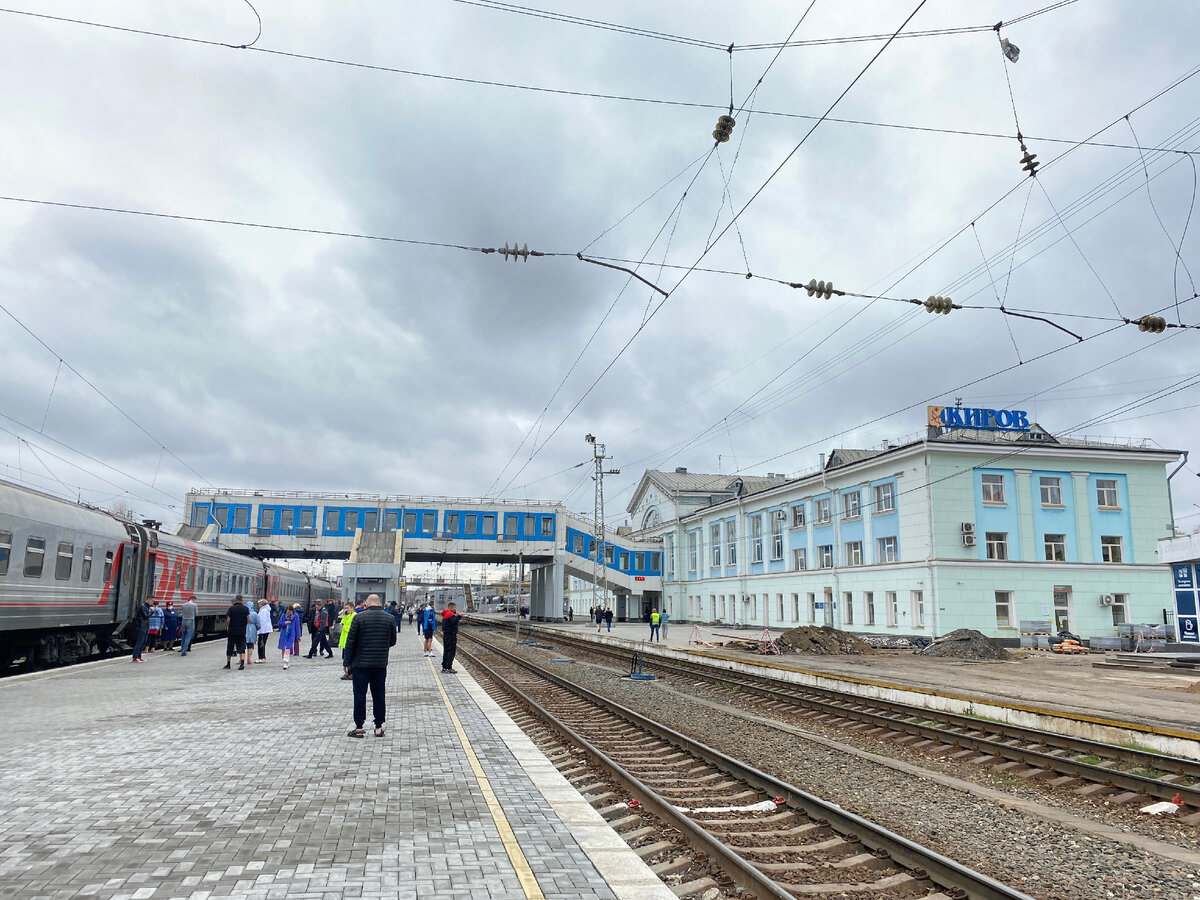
<point x="126" y="563"/>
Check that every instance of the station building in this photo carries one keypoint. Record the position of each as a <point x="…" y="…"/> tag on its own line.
<point x="984" y="521"/>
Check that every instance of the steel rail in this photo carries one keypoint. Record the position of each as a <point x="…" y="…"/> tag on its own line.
<point x="842" y="706"/>
<point x="921" y="861"/>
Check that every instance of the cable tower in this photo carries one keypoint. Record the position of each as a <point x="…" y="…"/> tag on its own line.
<point x="599" y="568"/>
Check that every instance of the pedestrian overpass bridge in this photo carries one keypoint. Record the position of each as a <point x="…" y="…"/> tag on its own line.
<point x="542" y="534"/>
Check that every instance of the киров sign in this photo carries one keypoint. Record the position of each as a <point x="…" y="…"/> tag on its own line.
<point x="983" y="419"/>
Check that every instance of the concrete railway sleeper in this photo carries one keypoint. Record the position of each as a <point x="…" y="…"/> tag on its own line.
<point x="1043" y="753"/>
<point x="791" y="844"/>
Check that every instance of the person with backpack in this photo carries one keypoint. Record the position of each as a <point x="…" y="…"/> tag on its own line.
<point x="428" y="626"/>
<point x="608" y="617"/>
<point x="599" y="616"/>
<point x="320" y="632"/>
<point x="450" y="620"/>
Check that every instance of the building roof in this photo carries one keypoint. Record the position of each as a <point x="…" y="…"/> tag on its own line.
<point x="681" y="483"/>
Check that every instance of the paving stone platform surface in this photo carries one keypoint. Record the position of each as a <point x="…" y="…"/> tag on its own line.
<point x="177" y="778"/>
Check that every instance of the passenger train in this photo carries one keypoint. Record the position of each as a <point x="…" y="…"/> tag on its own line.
<point x="71" y="577"/>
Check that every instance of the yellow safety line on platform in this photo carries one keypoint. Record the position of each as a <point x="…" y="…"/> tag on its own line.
<point x="966" y="698"/>
<point x="508" y="838"/>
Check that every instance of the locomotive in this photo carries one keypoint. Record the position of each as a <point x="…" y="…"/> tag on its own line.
<point x="71" y="577"/>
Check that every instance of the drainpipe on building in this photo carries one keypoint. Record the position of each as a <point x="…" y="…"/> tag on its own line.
<point x="743" y="529"/>
<point x="1170" y="504"/>
<point x="933" y="598"/>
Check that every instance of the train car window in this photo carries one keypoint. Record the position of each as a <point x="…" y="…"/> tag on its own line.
<point x="85" y="574"/>
<point x="489" y="524"/>
<point x="210" y="580"/>
<point x="190" y="582"/>
<point x="331" y="519"/>
<point x="548" y="526"/>
<point x="287" y="518"/>
<point x="351" y="520"/>
<point x="370" y="520"/>
<point x="241" y="517"/>
<point x="266" y="518"/>
<point x="5" y="550"/>
<point x="35" y="556"/>
<point x="108" y="564"/>
<point x="307" y="518"/>
<point x="410" y="523"/>
<point x="391" y="520"/>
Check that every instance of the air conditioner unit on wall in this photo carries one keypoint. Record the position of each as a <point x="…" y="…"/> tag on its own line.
<point x="1107" y="599"/>
<point x="968" y="527"/>
<point x="968" y="540"/>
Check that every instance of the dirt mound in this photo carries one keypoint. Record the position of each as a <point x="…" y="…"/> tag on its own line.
<point x="965" y="643"/>
<point x="821" y="641"/>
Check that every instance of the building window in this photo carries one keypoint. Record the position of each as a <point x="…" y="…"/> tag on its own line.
<point x="1110" y="549"/>
<point x="993" y="488"/>
<point x="1051" y="490"/>
<point x="655" y="563"/>
<point x="639" y="562"/>
<point x="825" y="556"/>
<point x="777" y="533"/>
<point x="85" y="574"/>
<point x="428" y="522"/>
<point x="470" y="524"/>
<point x="35" y="557"/>
<point x="796" y="608"/>
<point x="1056" y="547"/>
<point x="451" y="523"/>
<point x="754" y="606"/>
<point x="997" y="545"/>
<point x="869" y="606"/>
<point x="241" y="517"/>
<point x="1106" y="493"/>
<point x="610" y="555"/>
<point x="731" y="543"/>
<point x="1004" y="616"/>
<point x="669" y="550"/>
<point x="799" y="559"/>
<point x="848" y="604"/>
<point x="885" y="549"/>
<point x="853" y="554"/>
<point x="715" y="544"/>
<point x="852" y="505"/>
<point x="812" y="608"/>
<point x="577" y="544"/>
<point x="351" y="520"/>
<point x="918" y="608"/>
<point x="885" y="497"/>
<point x="779" y="607"/>
<point x="821" y="511"/>
<point x="693" y="552"/>
<point x="1120" y="609"/>
<point x="410" y="523"/>
<point x="756" y="541"/>
<point x="798" y="515"/>
<point x="510" y="525"/>
<point x="489" y="524"/>
<point x="624" y="561"/>
<point x="266" y="518"/>
<point x="308" y="519"/>
<point x="286" y="517"/>
<point x="65" y="560"/>
<point x="891" y="604"/>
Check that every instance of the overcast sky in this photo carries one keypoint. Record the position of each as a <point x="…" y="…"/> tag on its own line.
<point x="274" y="359"/>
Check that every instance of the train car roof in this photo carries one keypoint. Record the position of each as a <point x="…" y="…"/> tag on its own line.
<point x="27" y="503"/>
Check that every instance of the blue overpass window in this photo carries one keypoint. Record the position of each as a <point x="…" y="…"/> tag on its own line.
<point x="429" y="522"/>
<point x="656" y="562"/>
<point x="351" y="520"/>
<point x="610" y="554"/>
<point x="331" y="519"/>
<point x="547" y="526"/>
<point x="451" y="523"/>
<point x="639" y="562"/>
<point x="489" y="524"/>
<point x="410" y="523"/>
<point x="370" y="520"/>
<point x="287" y="518"/>
<point x="308" y="518"/>
<point x="577" y="544"/>
<point x="624" y="562"/>
<point x="470" y="525"/>
<point x="200" y="514"/>
<point x="391" y="520"/>
<point x="266" y="518"/>
<point x="241" y="518"/>
<point x="511" y="523"/>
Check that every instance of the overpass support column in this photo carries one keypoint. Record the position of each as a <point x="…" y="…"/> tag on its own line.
<point x="537" y="602"/>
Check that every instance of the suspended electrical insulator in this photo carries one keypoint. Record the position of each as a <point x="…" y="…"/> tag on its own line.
<point x="1152" y="324"/>
<point x="822" y="289"/>
<point x="523" y="252"/>
<point x="1029" y="163"/>
<point x="941" y="305"/>
<point x="724" y="129"/>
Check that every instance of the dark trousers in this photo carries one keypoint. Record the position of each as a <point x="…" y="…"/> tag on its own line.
<point x="449" y="648"/>
<point x="320" y="643"/>
<point x="262" y="645"/>
<point x="362" y="679"/>
<point x="140" y="643"/>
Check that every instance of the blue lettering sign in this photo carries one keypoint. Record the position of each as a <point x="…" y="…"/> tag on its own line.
<point x="984" y="419"/>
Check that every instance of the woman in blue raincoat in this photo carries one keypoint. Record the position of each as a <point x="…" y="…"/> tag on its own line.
<point x="289" y="632"/>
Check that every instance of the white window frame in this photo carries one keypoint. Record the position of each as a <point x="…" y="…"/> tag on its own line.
<point x="996" y="544"/>
<point x="796" y="608"/>
<point x="779" y="606"/>
<point x="1050" y="488"/>
<point x="798" y="515"/>
<point x="693" y="550"/>
<point x="869" y="607"/>
<point x="822" y="511"/>
<point x="730" y="542"/>
<point x="1055" y="551"/>
<point x="886" y="549"/>
<point x="848" y="607"/>
<point x="756" y="538"/>
<point x="852" y="504"/>
<point x="825" y="556"/>
<point x="1115" y="541"/>
<point x="715" y="545"/>
<point x="852" y="553"/>
<point x="1004" y="600"/>
<point x="777" y="534"/>
<point x="812" y="607"/>
<point x="1120" y="609"/>
<point x="891" y="607"/>
<point x="992" y="488"/>
<point x="669" y="547"/>
<point x="799" y="559"/>
<point x="885" y="497"/>
<point x="917" y="599"/>
<point x="1103" y="491"/>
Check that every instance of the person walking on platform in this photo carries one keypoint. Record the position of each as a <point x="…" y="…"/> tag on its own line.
<point x="290" y="623"/>
<point x="411" y="615"/>
<point x="655" y="620"/>
<point x="156" y="623"/>
<point x="142" y="620"/>
<point x="369" y="639"/>
<point x="251" y="635"/>
<point x="187" y="621"/>
<point x="608" y="617"/>
<point x="298" y="630"/>
<point x="170" y="627"/>
<point x="347" y="620"/>
<point x="428" y="626"/>
<point x="264" y="629"/>
<point x="320" y="633"/>
<point x="236" y="618"/>
<point x="450" y="620"/>
<point x="599" y="614"/>
<point x="664" y="618"/>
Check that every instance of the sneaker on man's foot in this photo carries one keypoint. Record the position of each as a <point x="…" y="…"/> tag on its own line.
<point x="226" y="666"/>
<point x="450" y="671"/>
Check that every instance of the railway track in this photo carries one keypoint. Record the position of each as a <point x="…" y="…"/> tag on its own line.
<point x="704" y="820"/>
<point x="1117" y="774"/>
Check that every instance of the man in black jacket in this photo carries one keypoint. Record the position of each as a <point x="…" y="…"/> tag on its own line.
<point x="450" y="620"/>
<point x="372" y="636"/>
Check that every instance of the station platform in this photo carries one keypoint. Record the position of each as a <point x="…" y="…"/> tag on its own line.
<point x="178" y="778"/>
<point x="1148" y="707"/>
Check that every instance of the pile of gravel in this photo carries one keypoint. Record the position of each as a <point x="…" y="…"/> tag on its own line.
<point x="821" y="641"/>
<point x="965" y="643"/>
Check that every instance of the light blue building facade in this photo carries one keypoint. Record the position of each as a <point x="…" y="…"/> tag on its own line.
<point x="965" y="528"/>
